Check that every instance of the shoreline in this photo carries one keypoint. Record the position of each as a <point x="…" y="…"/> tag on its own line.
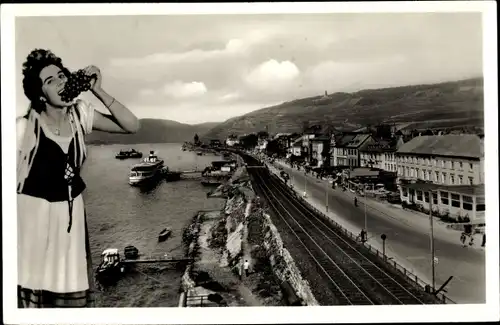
<point x="220" y="241"/>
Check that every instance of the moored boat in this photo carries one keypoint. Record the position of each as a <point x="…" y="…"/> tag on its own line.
<point x="149" y="169"/>
<point x="132" y="153"/>
<point x="131" y="252"/>
<point x="164" y="234"/>
<point x="110" y="269"/>
<point x="170" y="175"/>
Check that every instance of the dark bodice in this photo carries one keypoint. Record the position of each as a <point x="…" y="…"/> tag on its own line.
<point x="46" y="178"/>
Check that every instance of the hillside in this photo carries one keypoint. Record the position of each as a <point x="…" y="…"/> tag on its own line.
<point x="443" y="105"/>
<point x="153" y="131"/>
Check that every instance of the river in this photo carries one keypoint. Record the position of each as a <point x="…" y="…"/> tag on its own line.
<point x="119" y="215"/>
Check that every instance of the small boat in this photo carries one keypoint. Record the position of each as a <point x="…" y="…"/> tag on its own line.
<point x="131" y="252"/>
<point x="150" y="169"/>
<point x="164" y="234"/>
<point x="132" y="153"/>
<point x="110" y="269"/>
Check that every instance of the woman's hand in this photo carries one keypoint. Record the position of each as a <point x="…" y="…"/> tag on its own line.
<point x="93" y="71"/>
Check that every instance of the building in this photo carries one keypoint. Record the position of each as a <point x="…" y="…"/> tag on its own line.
<point x="320" y="150"/>
<point x="449" y="166"/>
<point x="340" y="141"/>
<point x="261" y="145"/>
<point x="307" y="136"/>
<point x="380" y="154"/>
<point x="215" y="143"/>
<point x="354" y="146"/>
<point x="295" y="148"/>
<point x="231" y="141"/>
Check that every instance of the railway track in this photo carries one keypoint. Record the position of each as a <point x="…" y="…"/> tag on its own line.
<point x="353" y="277"/>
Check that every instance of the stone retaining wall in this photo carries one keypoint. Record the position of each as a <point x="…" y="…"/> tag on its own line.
<point x="283" y="264"/>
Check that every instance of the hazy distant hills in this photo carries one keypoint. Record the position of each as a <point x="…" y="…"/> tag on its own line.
<point x="153" y="131"/>
<point x="443" y="105"/>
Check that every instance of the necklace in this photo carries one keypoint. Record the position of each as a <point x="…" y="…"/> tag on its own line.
<point x="57" y="126"/>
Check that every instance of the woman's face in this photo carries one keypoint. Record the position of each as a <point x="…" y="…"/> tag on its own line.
<point x="53" y="82"/>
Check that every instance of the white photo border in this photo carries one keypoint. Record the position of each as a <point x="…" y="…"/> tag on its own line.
<point x="441" y="313"/>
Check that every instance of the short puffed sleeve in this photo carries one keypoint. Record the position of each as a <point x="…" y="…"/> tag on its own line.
<point x="86" y="115"/>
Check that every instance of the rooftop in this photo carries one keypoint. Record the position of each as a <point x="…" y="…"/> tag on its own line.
<point x="321" y="138"/>
<point x="379" y="146"/>
<point x="343" y="140"/>
<point x="463" y="145"/>
<point x="363" y="172"/>
<point x="358" y="140"/>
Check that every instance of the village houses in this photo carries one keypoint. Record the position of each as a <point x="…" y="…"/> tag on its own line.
<point x="347" y="149"/>
<point x="451" y="167"/>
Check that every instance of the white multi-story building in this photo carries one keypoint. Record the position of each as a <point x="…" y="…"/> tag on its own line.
<point x="320" y="150"/>
<point x="380" y="154"/>
<point x="347" y="149"/>
<point x="449" y="166"/>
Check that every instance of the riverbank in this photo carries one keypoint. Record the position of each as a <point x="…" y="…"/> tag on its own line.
<point x="221" y="241"/>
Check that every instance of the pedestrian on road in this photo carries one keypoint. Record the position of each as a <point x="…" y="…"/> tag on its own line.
<point x="362" y="235"/>
<point x="484" y="240"/>
<point x="462" y="238"/>
<point x="246" y="265"/>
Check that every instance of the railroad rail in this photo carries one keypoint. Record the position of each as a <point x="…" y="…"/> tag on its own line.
<point x="353" y="277"/>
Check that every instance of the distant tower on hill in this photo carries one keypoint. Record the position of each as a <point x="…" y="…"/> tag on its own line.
<point x="326" y="93"/>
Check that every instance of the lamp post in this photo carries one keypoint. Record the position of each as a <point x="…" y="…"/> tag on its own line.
<point x="366" y="221"/>
<point x="384" y="237"/>
<point x="326" y="192"/>
<point x="432" y="243"/>
<point x="305" y="183"/>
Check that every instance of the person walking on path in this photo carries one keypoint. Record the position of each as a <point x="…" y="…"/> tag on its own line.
<point x="484" y="240"/>
<point x="246" y="266"/>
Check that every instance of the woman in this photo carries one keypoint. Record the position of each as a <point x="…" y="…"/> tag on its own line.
<point x="53" y="249"/>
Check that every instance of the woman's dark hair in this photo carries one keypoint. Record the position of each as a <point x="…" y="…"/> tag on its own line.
<point x="36" y="61"/>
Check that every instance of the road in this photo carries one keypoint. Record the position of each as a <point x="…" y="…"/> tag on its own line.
<point x="467" y="266"/>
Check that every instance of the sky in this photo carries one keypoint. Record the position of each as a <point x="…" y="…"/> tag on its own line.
<point x="209" y="68"/>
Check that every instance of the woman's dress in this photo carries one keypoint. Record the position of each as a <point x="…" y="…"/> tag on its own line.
<point x="54" y="259"/>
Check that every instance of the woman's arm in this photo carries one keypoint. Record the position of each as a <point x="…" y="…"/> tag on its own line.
<point x="121" y="120"/>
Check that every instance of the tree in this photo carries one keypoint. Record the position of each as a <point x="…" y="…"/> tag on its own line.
<point x="196" y="138"/>
<point x="273" y="147"/>
<point x="305" y="126"/>
<point x="249" y="141"/>
<point x="262" y="134"/>
<point x="383" y="131"/>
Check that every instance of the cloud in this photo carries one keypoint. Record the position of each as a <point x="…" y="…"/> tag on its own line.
<point x="146" y="92"/>
<point x="234" y="46"/>
<point x="178" y="89"/>
<point x="272" y="73"/>
<point x="229" y="97"/>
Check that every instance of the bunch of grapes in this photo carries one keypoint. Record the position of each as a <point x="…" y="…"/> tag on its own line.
<point x="77" y="83"/>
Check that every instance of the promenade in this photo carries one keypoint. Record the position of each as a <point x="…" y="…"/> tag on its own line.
<point x="408" y="240"/>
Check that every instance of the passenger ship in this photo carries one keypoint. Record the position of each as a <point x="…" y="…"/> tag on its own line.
<point x="149" y="169"/>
